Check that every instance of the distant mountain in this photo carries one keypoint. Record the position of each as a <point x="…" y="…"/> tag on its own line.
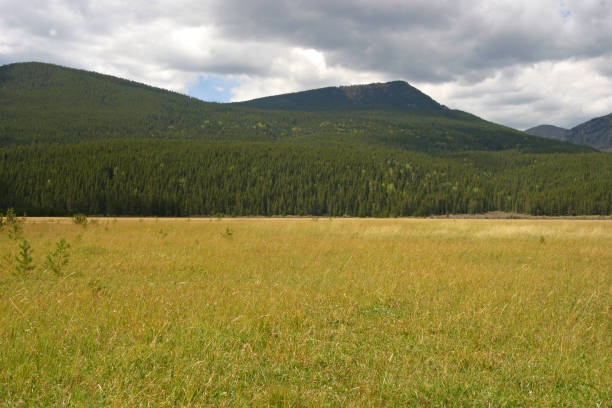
<point x="548" y="131"/>
<point x="596" y="133"/>
<point x="377" y="96"/>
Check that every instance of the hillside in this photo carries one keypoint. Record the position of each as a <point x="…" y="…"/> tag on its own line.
<point x="48" y="103"/>
<point x="41" y="103"/>
<point x="596" y="133"/>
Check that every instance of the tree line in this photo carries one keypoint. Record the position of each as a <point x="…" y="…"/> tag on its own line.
<point x="189" y="178"/>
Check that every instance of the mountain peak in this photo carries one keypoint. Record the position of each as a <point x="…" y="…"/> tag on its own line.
<point x="397" y="95"/>
<point x="383" y="86"/>
<point x="548" y="131"/>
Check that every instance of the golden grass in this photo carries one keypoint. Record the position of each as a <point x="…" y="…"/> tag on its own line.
<point x="311" y="312"/>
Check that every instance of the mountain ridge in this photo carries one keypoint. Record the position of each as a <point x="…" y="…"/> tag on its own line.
<point x="46" y="103"/>
<point x="379" y="95"/>
<point x="596" y="133"/>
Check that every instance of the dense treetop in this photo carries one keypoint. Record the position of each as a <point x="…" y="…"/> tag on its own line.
<point x="183" y="177"/>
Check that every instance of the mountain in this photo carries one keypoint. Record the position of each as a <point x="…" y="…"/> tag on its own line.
<point x="43" y="103"/>
<point x="596" y="133"/>
<point x="396" y="95"/>
<point x="49" y="103"/>
<point x="548" y="131"/>
<point x="76" y="141"/>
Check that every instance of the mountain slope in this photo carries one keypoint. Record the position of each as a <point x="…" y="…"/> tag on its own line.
<point x="43" y="103"/>
<point x="595" y="133"/>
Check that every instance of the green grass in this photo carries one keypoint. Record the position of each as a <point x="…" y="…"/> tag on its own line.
<point x="301" y="312"/>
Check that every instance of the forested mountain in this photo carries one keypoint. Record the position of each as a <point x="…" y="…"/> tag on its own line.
<point x="46" y="103"/>
<point x="75" y="141"/>
<point x="596" y="133"/>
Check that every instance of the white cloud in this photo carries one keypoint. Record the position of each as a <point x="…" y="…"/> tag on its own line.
<point x="563" y="93"/>
<point x="300" y="69"/>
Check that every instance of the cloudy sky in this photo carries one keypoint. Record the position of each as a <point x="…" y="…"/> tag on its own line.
<point x="515" y="62"/>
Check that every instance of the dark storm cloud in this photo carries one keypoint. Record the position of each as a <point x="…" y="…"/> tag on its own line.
<point x="393" y="37"/>
<point x="424" y="40"/>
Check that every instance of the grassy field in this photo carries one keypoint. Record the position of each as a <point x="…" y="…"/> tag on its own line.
<point x="309" y="312"/>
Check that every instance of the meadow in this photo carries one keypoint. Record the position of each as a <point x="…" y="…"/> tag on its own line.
<point x="308" y="312"/>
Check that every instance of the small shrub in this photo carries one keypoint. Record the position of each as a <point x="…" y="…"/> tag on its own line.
<point x="24" y="261"/>
<point x="14" y="224"/>
<point x="79" y="219"/>
<point x="58" y="259"/>
<point x="228" y="233"/>
<point x="15" y="231"/>
<point x="11" y="217"/>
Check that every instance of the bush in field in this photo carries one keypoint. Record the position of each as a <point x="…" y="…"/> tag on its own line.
<point x="58" y="259"/>
<point x="79" y="219"/>
<point x="13" y="223"/>
<point x="25" y="262"/>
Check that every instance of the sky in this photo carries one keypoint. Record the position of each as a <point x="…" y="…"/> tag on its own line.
<point x="520" y="63"/>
